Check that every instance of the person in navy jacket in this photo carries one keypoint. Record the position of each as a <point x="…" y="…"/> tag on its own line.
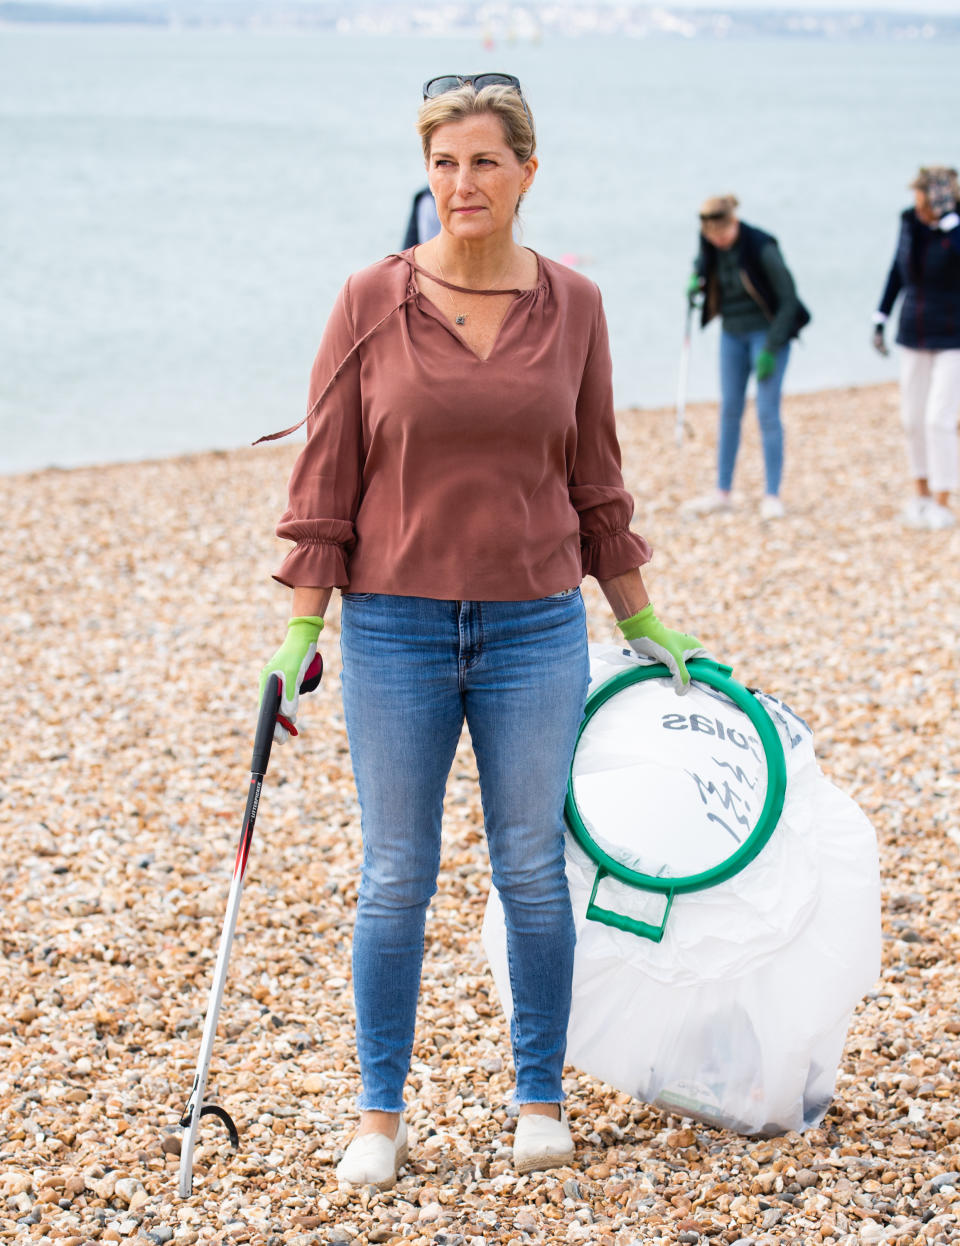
<point x="926" y="270"/>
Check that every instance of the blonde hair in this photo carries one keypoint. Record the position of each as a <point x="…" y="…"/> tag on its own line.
<point x="719" y="205"/>
<point x="504" y="102"/>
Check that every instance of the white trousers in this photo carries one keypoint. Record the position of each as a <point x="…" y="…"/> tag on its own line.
<point x="929" y="406"/>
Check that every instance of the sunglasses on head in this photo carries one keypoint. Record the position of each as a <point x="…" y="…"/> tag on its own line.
<point x="713" y="217"/>
<point x="453" y="82"/>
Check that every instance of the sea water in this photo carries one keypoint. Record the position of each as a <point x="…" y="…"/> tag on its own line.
<point x="178" y="207"/>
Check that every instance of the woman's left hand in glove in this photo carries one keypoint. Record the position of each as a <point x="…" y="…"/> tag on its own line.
<point x="649" y="638"/>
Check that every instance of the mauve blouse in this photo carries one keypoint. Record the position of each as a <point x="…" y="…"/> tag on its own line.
<point x="429" y="472"/>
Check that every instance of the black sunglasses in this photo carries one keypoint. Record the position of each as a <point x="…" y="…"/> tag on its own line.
<point x="714" y="216"/>
<point x="453" y="82"/>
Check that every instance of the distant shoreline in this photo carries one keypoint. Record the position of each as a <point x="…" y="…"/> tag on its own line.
<point x="529" y="23"/>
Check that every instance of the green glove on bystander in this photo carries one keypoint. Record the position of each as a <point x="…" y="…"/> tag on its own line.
<point x="649" y="637"/>
<point x="766" y="365"/>
<point x="290" y="662"/>
<point x="694" y="286"/>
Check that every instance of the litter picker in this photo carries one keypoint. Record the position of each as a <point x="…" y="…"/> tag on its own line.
<point x="682" y="378"/>
<point x="196" y="1108"/>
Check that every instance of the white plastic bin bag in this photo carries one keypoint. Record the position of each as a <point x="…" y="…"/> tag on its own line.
<point x="726" y="898"/>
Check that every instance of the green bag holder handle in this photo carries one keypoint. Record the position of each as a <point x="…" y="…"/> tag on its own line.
<point x="714" y="675"/>
<point x="620" y="921"/>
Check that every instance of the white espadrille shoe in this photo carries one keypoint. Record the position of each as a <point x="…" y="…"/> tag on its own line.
<point x="771" y="507"/>
<point x="939" y="517"/>
<point x="914" y="514"/>
<point x="541" y="1142"/>
<point x="710" y="504"/>
<point x="373" y="1159"/>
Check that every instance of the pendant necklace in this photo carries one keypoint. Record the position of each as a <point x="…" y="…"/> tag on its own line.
<point x="460" y="318"/>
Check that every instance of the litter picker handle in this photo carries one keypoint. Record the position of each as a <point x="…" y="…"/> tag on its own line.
<point x="262" y="741"/>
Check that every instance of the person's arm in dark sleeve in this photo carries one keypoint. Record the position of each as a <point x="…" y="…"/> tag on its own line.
<point x="412" y="236"/>
<point x="894" y="282"/>
<point x="890" y="290"/>
<point x="785" y="294"/>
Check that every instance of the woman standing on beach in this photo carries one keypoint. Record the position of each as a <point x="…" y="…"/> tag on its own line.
<point x="926" y="267"/>
<point x="461" y="475"/>
<point x="744" y="281"/>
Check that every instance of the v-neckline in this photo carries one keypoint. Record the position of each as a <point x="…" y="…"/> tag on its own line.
<point x="448" y="324"/>
<point x="437" y="312"/>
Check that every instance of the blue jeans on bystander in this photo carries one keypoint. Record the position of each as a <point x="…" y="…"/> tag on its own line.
<point x="738" y="358"/>
<point x="414" y="669"/>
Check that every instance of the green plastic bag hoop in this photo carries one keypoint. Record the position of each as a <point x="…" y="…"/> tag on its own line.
<point x="715" y="676"/>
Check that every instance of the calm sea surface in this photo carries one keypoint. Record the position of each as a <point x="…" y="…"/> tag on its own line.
<point x="179" y="208"/>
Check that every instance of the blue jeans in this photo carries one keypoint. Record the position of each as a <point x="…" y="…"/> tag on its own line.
<point x="738" y="358"/>
<point x="414" y="669"/>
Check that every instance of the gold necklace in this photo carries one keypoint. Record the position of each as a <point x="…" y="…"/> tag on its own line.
<point x="460" y="318"/>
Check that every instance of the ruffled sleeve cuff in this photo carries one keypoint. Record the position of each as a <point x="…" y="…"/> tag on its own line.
<point x="319" y="557"/>
<point x="608" y="554"/>
<point x="607" y="546"/>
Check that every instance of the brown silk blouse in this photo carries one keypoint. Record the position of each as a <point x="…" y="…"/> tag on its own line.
<point x="429" y="472"/>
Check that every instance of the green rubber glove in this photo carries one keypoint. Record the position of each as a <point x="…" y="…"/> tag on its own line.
<point x="290" y="662"/>
<point x="651" y="639"/>
<point x="766" y="364"/>
<point x="694" y="286"/>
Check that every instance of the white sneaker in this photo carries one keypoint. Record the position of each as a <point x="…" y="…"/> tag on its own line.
<point x="541" y="1142"/>
<point x="709" y="504"/>
<point x="938" y="517"/>
<point x="914" y="514"/>
<point x="373" y="1159"/>
<point x="771" y="507"/>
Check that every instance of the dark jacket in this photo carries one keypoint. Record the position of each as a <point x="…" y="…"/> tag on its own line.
<point x="751" y="243"/>
<point x="412" y="236"/>
<point x="926" y="267"/>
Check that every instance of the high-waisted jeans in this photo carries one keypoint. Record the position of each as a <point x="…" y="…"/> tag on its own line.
<point x="738" y="358"/>
<point x="414" y="669"/>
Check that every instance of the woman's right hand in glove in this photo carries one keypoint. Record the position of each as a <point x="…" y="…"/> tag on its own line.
<point x="291" y="662"/>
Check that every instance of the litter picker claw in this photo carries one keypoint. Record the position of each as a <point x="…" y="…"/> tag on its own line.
<point x="196" y="1109"/>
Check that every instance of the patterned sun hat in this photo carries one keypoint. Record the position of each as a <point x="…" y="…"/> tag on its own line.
<point x="939" y="183"/>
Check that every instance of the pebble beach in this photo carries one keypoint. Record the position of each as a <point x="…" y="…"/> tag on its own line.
<point x="139" y="609"/>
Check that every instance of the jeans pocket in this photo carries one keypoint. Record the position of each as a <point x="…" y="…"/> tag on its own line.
<point x="356" y="596"/>
<point x="563" y="595"/>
